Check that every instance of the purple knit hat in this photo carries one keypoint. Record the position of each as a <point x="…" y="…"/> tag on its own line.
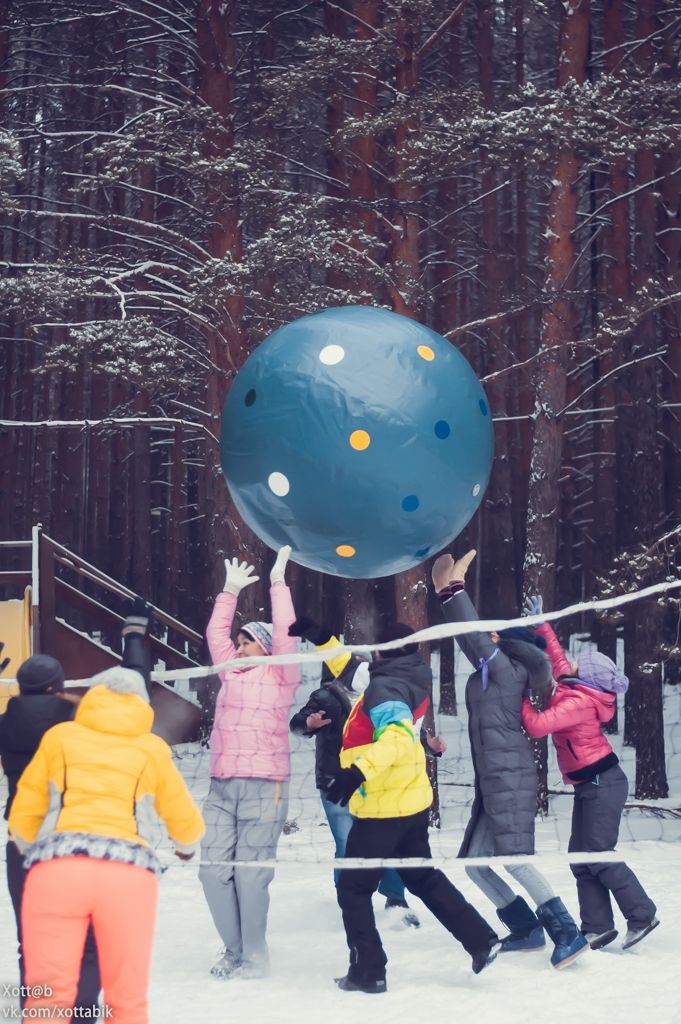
<point x="597" y="670"/>
<point x="261" y="632"/>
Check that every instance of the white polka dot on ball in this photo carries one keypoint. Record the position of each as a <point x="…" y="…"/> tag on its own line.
<point x="278" y="484"/>
<point x="332" y="354"/>
<point x="476" y="490"/>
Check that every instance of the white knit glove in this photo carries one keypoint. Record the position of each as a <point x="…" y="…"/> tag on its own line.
<point x="279" y="567"/>
<point x="239" y="575"/>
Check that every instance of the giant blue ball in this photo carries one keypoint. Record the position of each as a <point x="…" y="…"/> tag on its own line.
<point x="360" y="437"/>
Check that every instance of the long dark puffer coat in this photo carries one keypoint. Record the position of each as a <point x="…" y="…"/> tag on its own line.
<point x="505" y="775"/>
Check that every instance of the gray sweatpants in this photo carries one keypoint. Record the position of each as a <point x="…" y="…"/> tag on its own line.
<point x="244" y="819"/>
<point x="492" y="884"/>
<point x="596" y="816"/>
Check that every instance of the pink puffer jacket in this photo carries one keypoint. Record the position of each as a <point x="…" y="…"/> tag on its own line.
<point x="574" y="717"/>
<point x="250" y="737"/>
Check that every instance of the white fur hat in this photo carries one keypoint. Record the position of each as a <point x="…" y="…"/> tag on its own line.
<point x="122" y="680"/>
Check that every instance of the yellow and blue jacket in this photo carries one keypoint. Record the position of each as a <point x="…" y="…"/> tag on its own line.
<point x="379" y="738"/>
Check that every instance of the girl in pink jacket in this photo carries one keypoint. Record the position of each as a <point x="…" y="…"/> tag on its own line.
<point x="584" y="698"/>
<point x="247" y="802"/>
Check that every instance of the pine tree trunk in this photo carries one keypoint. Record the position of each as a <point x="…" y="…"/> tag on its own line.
<point x="640" y="475"/>
<point x="225" y="533"/>
<point x="557" y="332"/>
<point x="499" y="593"/>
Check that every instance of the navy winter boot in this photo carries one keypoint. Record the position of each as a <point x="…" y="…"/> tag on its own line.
<point x="563" y="931"/>
<point x="526" y="931"/>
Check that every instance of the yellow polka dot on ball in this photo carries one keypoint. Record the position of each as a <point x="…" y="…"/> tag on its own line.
<point x="345" y="550"/>
<point x="426" y="352"/>
<point x="360" y="440"/>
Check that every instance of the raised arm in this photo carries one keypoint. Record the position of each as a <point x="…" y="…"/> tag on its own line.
<point x="219" y="629"/>
<point x="560" y="663"/>
<point x="449" y="579"/>
<point x="283" y="616"/>
<point x="323" y="638"/>
<point x="476" y="646"/>
<point x="135" y="646"/>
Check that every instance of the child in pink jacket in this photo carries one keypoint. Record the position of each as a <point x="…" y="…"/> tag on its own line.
<point x="247" y="802"/>
<point x="584" y="698"/>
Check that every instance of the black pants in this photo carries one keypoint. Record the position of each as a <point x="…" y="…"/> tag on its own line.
<point x="88" y="983"/>
<point x="596" y="816"/>
<point x="399" y="837"/>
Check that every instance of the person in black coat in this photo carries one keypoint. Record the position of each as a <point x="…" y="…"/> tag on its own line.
<point x="41" y="704"/>
<point x="344" y="679"/>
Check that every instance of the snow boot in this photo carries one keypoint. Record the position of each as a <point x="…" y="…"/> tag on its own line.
<point x="526" y="931"/>
<point x="408" y="918"/>
<point x="597" y="940"/>
<point x="370" y="986"/>
<point x="562" y="930"/>
<point x="484" y="957"/>
<point x="635" y="935"/>
<point x="226" y="967"/>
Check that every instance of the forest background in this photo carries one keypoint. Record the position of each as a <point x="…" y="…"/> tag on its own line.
<point x="180" y="177"/>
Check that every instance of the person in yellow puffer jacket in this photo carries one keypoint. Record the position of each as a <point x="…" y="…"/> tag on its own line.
<point x="344" y="677"/>
<point x="385" y="782"/>
<point x="78" y="815"/>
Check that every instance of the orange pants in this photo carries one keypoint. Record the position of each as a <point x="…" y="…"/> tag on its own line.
<point x="62" y="896"/>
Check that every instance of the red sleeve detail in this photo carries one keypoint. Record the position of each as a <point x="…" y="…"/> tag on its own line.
<point x="560" y="664"/>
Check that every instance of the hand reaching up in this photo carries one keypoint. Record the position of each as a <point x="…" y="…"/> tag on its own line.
<point x="445" y="570"/>
<point x="279" y="567"/>
<point x="533" y="605"/>
<point x="239" y="575"/>
<point x="137" y="620"/>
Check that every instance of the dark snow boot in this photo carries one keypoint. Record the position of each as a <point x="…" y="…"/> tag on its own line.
<point x="484" y="957"/>
<point x="401" y="911"/>
<point x="526" y="931"/>
<point x="370" y="986"/>
<point x="636" y="933"/>
<point x="562" y="930"/>
<point x="598" y="940"/>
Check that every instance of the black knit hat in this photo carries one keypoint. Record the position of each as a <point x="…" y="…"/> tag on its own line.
<point x="395" y="631"/>
<point x="40" y="673"/>
<point x="522" y="633"/>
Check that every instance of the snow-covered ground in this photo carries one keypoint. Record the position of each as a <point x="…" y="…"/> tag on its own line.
<point x="429" y="975"/>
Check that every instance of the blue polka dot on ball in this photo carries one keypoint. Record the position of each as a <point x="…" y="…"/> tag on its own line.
<point x="355" y="435"/>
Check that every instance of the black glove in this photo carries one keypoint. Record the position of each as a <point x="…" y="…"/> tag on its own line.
<point x="308" y="629"/>
<point x="137" y="620"/>
<point x="343" y="785"/>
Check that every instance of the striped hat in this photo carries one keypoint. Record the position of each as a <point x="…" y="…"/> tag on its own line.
<point x="261" y="632"/>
